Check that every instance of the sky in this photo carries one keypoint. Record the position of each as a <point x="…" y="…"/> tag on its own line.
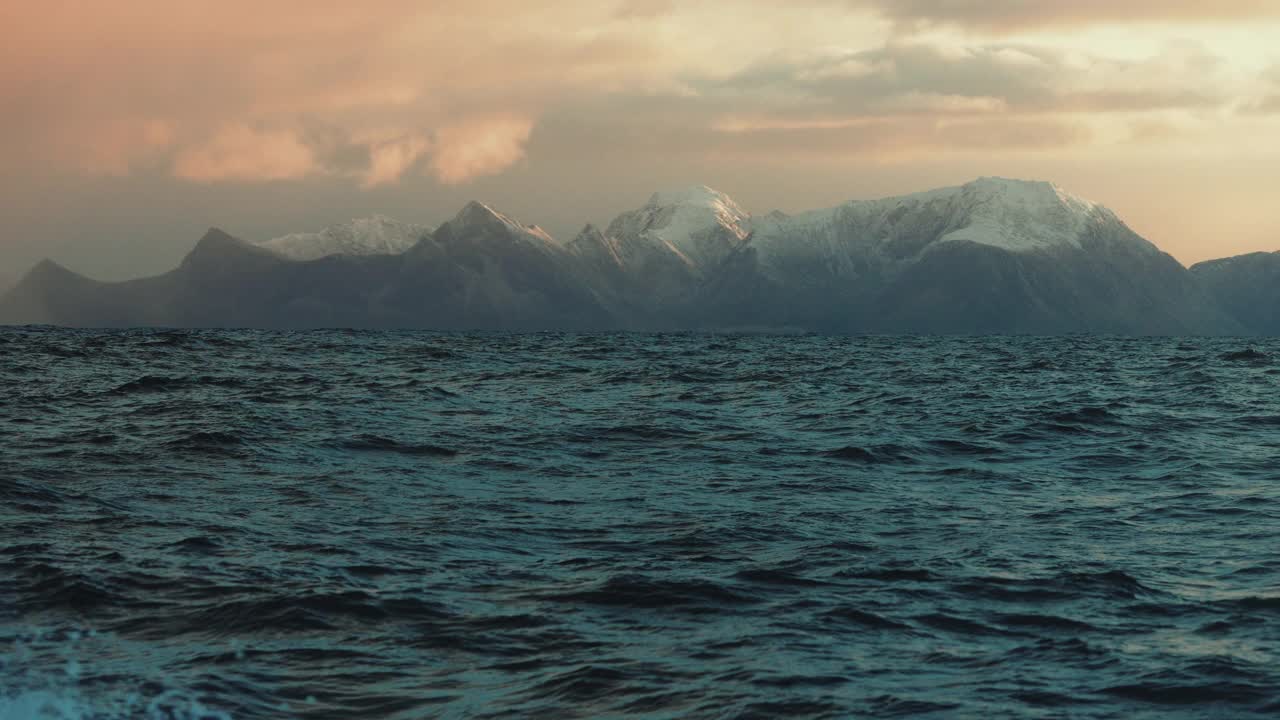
<point x="130" y="127"/>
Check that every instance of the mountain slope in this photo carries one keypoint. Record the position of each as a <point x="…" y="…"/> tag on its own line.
<point x="484" y="270"/>
<point x="1248" y="287"/>
<point x="698" y="225"/>
<point x="647" y="282"/>
<point x="50" y="294"/>
<point x="650" y="265"/>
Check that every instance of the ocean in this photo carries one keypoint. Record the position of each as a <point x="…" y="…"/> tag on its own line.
<point x="333" y="524"/>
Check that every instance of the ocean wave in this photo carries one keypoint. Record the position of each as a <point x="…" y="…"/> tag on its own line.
<point x="363" y="524"/>
<point x="378" y="443"/>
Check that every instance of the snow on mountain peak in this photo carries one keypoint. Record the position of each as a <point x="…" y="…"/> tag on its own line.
<point x="698" y="206"/>
<point x="698" y="224"/>
<point x="697" y="196"/>
<point x="477" y="213"/>
<point x="1021" y="215"/>
<point x="375" y="235"/>
<point x="1032" y="193"/>
<point x="1013" y="215"/>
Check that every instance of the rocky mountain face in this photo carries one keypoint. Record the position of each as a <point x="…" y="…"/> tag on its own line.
<point x="1248" y="287"/>
<point x="992" y="256"/>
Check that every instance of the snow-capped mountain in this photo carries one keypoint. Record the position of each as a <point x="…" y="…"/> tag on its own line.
<point x="650" y="263"/>
<point x="480" y="223"/>
<point x="698" y="225"/>
<point x="873" y="236"/>
<point x="376" y="235"/>
<point x="994" y="255"/>
<point x="991" y="256"/>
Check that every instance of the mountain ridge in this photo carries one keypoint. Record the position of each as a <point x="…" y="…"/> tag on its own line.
<point x="992" y="255"/>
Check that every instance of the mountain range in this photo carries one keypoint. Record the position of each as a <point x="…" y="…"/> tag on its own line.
<point x="991" y="256"/>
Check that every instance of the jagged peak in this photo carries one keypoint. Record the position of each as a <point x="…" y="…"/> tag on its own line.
<point x="48" y="270"/>
<point x="47" y="265"/>
<point x="217" y="239"/>
<point x="696" y="204"/>
<point x="697" y="201"/>
<point x="696" y="196"/>
<point x="217" y="243"/>
<point x="217" y="235"/>
<point x="476" y="213"/>
<point x="699" y="224"/>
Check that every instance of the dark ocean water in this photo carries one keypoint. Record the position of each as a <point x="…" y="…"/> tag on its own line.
<point x="412" y="525"/>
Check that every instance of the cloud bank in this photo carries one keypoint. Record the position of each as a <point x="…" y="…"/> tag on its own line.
<point x="235" y="91"/>
<point x="426" y="103"/>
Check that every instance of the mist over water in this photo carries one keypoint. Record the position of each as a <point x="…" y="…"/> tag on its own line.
<point x="235" y="524"/>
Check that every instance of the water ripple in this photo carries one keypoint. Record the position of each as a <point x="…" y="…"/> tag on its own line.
<point x="335" y="524"/>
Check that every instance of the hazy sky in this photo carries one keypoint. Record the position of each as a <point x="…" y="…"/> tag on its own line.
<point x="128" y="127"/>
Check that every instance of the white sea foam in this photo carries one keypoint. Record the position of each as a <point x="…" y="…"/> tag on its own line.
<point x="31" y="688"/>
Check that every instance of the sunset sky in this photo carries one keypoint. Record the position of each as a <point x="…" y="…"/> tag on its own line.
<point x="129" y="127"/>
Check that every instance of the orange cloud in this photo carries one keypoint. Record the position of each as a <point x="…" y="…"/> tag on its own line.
<point x="479" y="147"/>
<point x="238" y="90"/>
<point x="390" y="160"/>
<point x="236" y="84"/>
<point x="240" y="152"/>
